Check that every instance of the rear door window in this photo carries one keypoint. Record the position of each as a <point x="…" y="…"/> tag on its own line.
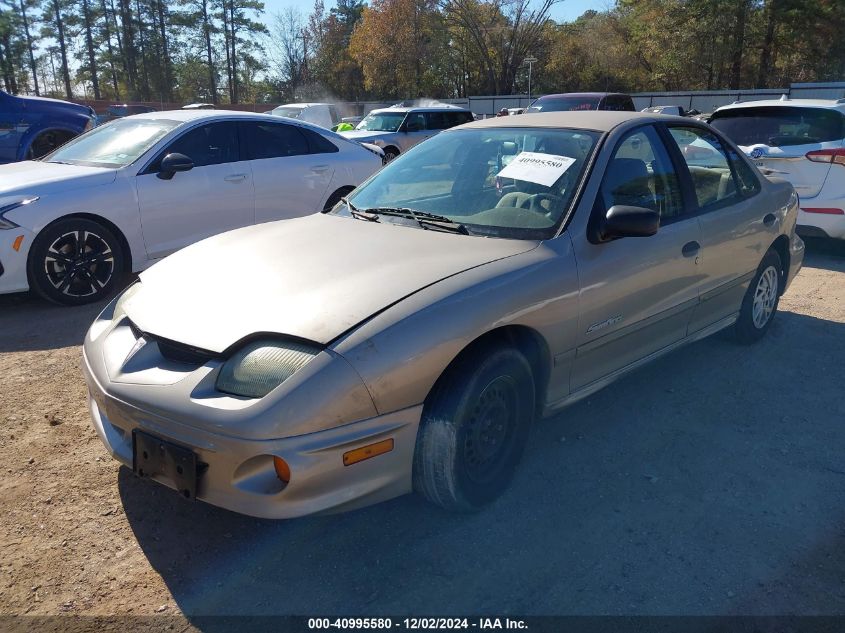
<point x="436" y="121"/>
<point x="273" y="140"/>
<point x="317" y="143"/>
<point x="459" y="118"/>
<point x="780" y="126"/>
<point x="718" y="174"/>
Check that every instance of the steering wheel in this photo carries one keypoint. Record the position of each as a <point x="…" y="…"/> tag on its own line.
<point x="535" y="202"/>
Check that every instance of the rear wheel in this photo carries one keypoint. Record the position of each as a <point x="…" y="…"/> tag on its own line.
<point x="336" y="196"/>
<point x="761" y="300"/>
<point x="75" y="261"/>
<point x="474" y="428"/>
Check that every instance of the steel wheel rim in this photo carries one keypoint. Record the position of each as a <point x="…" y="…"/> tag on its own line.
<point x="79" y="264"/>
<point x="765" y="297"/>
<point x="490" y="429"/>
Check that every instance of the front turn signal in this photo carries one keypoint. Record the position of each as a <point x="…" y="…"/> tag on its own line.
<point x="366" y="452"/>
<point x="282" y="469"/>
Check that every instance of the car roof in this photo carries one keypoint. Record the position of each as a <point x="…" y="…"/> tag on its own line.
<point x="598" y="120"/>
<point x="302" y="105"/>
<point x="443" y="108"/>
<point x="584" y="95"/>
<point x="195" y="114"/>
<point x="789" y="103"/>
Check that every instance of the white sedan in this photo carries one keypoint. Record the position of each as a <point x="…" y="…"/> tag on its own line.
<point x="132" y="191"/>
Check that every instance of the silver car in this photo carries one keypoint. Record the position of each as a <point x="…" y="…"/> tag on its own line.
<point x="409" y="338"/>
<point x="397" y="129"/>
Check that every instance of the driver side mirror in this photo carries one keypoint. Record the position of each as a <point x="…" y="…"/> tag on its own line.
<point x="625" y="221"/>
<point x="172" y="163"/>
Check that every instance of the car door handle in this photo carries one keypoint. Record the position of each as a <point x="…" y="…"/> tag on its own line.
<point x="770" y="219"/>
<point x="235" y="177"/>
<point x="691" y="249"/>
<point x="319" y="169"/>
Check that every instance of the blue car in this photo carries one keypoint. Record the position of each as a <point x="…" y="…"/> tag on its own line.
<point x="31" y="127"/>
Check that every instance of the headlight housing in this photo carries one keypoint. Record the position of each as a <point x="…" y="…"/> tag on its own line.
<point x="120" y="304"/>
<point x="261" y="366"/>
<point x="9" y="206"/>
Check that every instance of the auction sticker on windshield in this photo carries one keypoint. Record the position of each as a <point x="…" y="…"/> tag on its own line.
<point x="542" y="169"/>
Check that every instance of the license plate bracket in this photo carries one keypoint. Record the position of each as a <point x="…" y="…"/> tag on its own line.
<point x="153" y="456"/>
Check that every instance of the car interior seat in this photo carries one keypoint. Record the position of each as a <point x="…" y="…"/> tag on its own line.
<point x="629" y="182"/>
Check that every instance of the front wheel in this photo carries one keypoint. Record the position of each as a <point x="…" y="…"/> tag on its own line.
<point x="75" y="261"/>
<point x="761" y="300"/>
<point x="46" y="142"/>
<point x="474" y="429"/>
<point x="389" y="154"/>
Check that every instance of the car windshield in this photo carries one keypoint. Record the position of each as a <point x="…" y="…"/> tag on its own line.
<point x="382" y="121"/>
<point x="564" y="104"/>
<point x="498" y="182"/>
<point x="291" y="113"/>
<point x="780" y="126"/>
<point x="114" y="144"/>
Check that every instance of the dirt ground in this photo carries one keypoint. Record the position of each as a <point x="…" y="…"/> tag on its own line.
<point x="710" y="482"/>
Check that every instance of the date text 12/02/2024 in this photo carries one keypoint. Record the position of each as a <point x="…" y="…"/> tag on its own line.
<point x="416" y="623"/>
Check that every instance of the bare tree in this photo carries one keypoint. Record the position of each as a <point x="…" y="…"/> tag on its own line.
<point x="501" y="34"/>
<point x="289" y="44"/>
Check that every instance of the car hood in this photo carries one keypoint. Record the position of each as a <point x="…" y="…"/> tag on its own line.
<point x="36" y="177"/>
<point x="45" y="103"/>
<point x="314" y="278"/>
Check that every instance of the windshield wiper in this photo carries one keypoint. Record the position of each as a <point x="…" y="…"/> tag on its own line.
<point x="423" y="218"/>
<point x="356" y="213"/>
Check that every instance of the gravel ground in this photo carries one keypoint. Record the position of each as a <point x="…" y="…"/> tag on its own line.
<point x="710" y="482"/>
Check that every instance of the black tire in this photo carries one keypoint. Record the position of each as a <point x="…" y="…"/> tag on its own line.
<point x="473" y="431"/>
<point x="389" y="154"/>
<point x="760" y="303"/>
<point x="46" y="142"/>
<point x="75" y="261"/>
<point x="336" y="196"/>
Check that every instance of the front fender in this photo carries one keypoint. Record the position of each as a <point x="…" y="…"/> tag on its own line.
<point x="401" y="352"/>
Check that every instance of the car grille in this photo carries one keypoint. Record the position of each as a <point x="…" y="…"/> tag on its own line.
<point x="179" y="353"/>
<point x="176" y="352"/>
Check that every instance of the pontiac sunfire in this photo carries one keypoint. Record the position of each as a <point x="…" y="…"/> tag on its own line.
<point x="408" y="338"/>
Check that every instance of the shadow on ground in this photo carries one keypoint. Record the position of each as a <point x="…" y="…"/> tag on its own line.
<point x="710" y="482"/>
<point x="825" y="253"/>
<point x="29" y="323"/>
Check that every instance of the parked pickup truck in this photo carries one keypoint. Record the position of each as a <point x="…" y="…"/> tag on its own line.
<point x="31" y="127"/>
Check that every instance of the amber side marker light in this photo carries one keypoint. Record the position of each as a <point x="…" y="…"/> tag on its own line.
<point x="365" y="452"/>
<point x="17" y="243"/>
<point x="282" y="469"/>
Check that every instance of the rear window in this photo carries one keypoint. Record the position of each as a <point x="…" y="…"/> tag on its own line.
<point x="780" y="126"/>
<point x="619" y="102"/>
<point x="564" y="104"/>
